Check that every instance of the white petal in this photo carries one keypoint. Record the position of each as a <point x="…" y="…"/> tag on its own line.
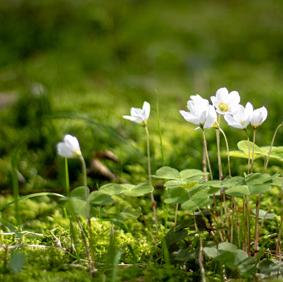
<point x="189" y="117"/>
<point x="136" y="119"/>
<point x="63" y="150"/>
<point x="233" y="98"/>
<point x="222" y="94"/>
<point x="146" y="110"/>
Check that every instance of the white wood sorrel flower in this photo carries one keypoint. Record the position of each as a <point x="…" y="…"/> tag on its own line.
<point x="211" y="120"/>
<point x="139" y="115"/>
<point x="225" y="102"/>
<point x="69" y="148"/>
<point x="241" y="118"/>
<point x="199" y="109"/>
<point x="258" y="117"/>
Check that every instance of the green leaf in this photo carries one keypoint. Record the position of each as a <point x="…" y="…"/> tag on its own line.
<point x="259" y="178"/>
<point x="80" y="193"/>
<point x="17" y="262"/>
<point x="139" y="191"/>
<point x="130" y="214"/>
<point x="189" y="185"/>
<point x="192" y="173"/>
<point x="32" y="196"/>
<point x="233" y="181"/>
<point x="196" y="203"/>
<point x="240" y="154"/>
<point x="262" y="214"/>
<point x="174" y="237"/>
<point x="112" y="189"/>
<point x="244" y="146"/>
<point x="185" y="254"/>
<point x="259" y="188"/>
<point x="99" y="198"/>
<point x="238" y="191"/>
<point x="226" y="246"/>
<point x="210" y="252"/>
<point x="276" y="181"/>
<point x="176" y="196"/>
<point x="167" y="172"/>
<point x="76" y="206"/>
<point x="174" y="184"/>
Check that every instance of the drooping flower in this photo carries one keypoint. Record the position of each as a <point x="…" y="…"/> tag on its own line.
<point x="241" y="118"/>
<point x="139" y="115"/>
<point x="69" y="148"/>
<point x="211" y="120"/>
<point x="225" y="102"/>
<point x="258" y="117"/>
<point x="199" y="108"/>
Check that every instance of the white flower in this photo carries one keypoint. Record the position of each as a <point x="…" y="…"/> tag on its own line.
<point x="211" y="120"/>
<point x="139" y="115"/>
<point x="258" y="117"/>
<point x="199" y="100"/>
<point x="69" y="148"/>
<point x="198" y="111"/>
<point x="224" y="102"/>
<point x="241" y="117"/>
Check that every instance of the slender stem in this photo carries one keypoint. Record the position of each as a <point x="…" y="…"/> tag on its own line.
<point x="227" y="148"/>
<point x="253" y="152"/>
<point x="150" y="182"/>
<point x="238" y="222"/>
<point x="88" y="213"/>
<point x="232" y="219"/>
<point x="86" y="247"/>
<point x="145" y="222"/>
<point x="256" y="224"/>
<point x="200" y="256"/>
<point x="206" y="153"/>
<point x="245" y="224"/>
<point x="176" y="214"/>
<point x="67" y="178"/>
<point x="218" y="150"/>
<point x="248" y="225"/>
<point x="249" y="151"/>
<point x="272" y="142"/>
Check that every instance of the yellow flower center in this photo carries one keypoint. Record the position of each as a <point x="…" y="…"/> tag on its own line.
<point x="76" y="153"/>
<point x="223" y="107"/>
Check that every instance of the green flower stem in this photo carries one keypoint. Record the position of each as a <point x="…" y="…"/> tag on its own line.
<point x="271" y="145"/>
<point x="227" y="148"/>
<point x="67" y="178"/>
<point x="245" y="224"/>
<point x="207" y="156"/>
<point x="218" y="149"/>
<point x="232" y="219"/>
<point x="145" y="222"/>
<point x="92" y="266"/>
<point x="253" y="152"/>
<point x="249" y="151"/>
<point x="200" y="256"/>
<point x="150" y="182"/>
<point x="248" y="225"/>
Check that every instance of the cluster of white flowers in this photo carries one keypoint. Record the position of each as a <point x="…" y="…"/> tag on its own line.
<point x="224" y="103"/>
<point x="201" y="113"/>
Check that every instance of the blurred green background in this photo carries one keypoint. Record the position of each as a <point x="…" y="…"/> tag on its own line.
<point x="70" y="66"/>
